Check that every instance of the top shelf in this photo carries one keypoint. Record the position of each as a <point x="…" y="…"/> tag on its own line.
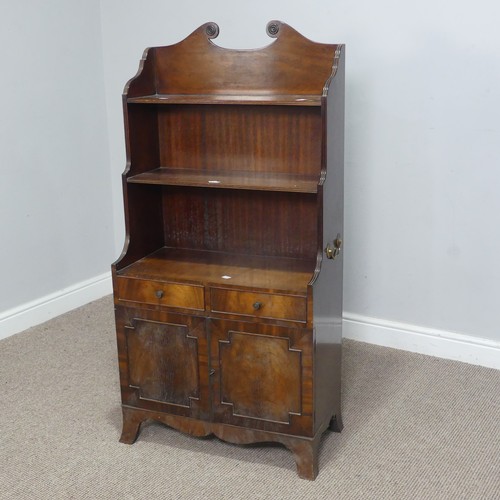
<point x="249" y="99"/>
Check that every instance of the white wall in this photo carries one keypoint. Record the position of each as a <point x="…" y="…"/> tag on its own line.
<point x="423" y="142"/>
<point x="422" y="155"/>
<point x="55" y="205"/>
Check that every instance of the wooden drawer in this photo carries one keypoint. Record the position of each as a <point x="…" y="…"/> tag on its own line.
<point x="160" y="293"/>
<point x="262" y="305"/>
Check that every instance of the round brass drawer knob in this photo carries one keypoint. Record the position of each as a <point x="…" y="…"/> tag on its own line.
<point x="159" y="293"/>
<point x="257" y="305"/>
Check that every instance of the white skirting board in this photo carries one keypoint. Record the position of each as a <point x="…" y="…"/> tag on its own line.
<point x="413" y="338"/>
<point x="38" y="311"/>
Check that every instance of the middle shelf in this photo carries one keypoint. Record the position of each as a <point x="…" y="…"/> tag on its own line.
<point x="261" y="181"/>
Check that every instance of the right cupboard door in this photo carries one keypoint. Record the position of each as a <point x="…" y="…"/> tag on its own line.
<point x="262" y="376"/>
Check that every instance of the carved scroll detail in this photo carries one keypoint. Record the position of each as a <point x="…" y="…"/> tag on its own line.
<point x="212" y="30"/>
<point x="272" y="28"/>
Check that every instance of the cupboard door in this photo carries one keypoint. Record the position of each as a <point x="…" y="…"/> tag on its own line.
<point x="163" y="362"/>
<point x="261" y="376"/>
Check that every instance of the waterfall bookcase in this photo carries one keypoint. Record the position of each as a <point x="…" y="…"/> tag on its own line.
<point x="228" y="294"/>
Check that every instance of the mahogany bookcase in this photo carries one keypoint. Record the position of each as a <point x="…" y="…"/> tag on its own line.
<point x="228" y="294"/>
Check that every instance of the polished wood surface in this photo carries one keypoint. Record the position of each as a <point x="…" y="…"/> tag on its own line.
<point x="244" y="222"/>
<point x="160" y="292"/>
<point x="267" y="385"/>
<point x="255" y="99"/>
<point x="290" y="65"/>
<point x="228" y="310"/>
<point x="258" y="304"/>
<point x="274" y="274"/>
<point x="163" y="361"/>
<point x="219" y="179"/>
<point x="262" y="376"/>
<point x="304" y="449"/>
<point x="327" y="299"/>
<point x="270" y="139"/>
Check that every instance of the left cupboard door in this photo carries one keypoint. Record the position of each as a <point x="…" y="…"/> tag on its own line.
<point x="163" y="360"/>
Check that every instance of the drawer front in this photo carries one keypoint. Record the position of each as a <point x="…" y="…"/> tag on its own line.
<point x="160" y="293"/>
<point x="262" y="305"/>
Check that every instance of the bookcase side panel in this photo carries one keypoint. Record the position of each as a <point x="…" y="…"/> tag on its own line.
<point x="327" y="289"/>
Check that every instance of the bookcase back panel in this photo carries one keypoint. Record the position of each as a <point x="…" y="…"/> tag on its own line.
<point x="259" y="139"/>
<point x="246" y="222"/>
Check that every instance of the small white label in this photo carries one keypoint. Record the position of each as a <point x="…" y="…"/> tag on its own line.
<point x="226" y="277"/>
<point x="214" y="182"/>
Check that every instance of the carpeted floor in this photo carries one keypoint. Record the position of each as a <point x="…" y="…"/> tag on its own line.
<point x="416" y="427"/>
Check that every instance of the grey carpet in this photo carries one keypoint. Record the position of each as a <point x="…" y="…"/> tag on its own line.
<point x="416" y="427"/>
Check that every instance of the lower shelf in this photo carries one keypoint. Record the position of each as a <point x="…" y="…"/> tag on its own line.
<point x="204" y="267"/>
<point x="305" y="450"/>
